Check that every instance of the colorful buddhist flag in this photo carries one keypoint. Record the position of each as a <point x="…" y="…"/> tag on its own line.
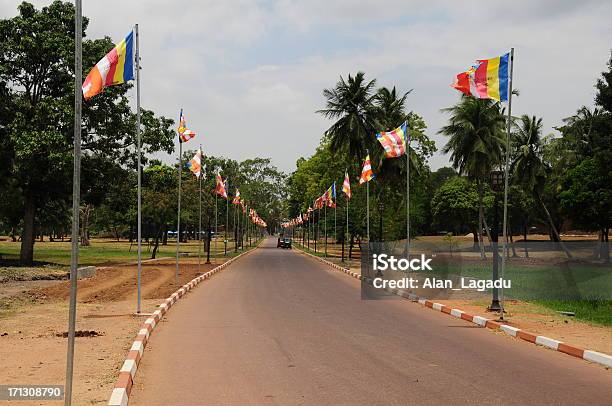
<point x="220" y="186"/>
<point x="394" y="142"/>
<point x="318" y="204"/>
<point x="195" y="164"/>
<point x="366" y="173"/>
<point x="184" y="133"/>
<point x="486" y="79"/>
<point x="236" y="197"/>
<point x="346" y="186"/>
<point x="330" y="194"/>
<point x="115" y="68"/>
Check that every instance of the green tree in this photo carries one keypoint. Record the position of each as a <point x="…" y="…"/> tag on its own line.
<point x="351" y="104"/>
<point x="476" y="143"/>
<point x="528" y="168"/>
<point x="604" y="88"/>
<point x="159" y="200"/>
<point x="455" y="205"/>
<point x="36" y="64"/>
<point x="587" y="198"/>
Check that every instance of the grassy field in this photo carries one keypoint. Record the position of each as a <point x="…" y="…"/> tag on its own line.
<point x="593" y="311"/>
<point x="101" y="251"/>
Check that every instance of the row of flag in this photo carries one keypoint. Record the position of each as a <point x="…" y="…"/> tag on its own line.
<point x="485" y="79"/>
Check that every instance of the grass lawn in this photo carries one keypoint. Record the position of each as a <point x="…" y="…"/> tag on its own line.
<point x="593" y="311"/>
<point x="102" y="251"/>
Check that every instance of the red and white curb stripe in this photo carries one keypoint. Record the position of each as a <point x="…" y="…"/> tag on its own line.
<point x="589" y="355"/>
<point x="123" y="386"/>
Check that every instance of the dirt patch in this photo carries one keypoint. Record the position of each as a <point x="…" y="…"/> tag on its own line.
<point x="120" y="282"/>
<point x="33" y="333"/>
<point x="81" y="333"/>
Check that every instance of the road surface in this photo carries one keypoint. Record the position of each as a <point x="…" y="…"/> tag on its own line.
<point x="279" y="328"/>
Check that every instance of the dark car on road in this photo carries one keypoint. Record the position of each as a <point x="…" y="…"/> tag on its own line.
<point x="285" y="243"/>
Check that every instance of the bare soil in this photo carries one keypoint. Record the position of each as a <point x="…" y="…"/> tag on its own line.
<point x="32" y="336"/>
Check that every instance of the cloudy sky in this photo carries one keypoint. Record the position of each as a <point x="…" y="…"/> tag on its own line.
<point x="249" y="74"/>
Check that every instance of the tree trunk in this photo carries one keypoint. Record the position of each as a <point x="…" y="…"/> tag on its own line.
<point x="156" y="246"/>
<point x="514" y="254"/>
<point x="476" y="244"/>
<point x="165" y="235"/>
<point x="605" y="247"/>
<point x="351" y="244"/>
<point x="552" y="226"/>
<point x="26" y="255"/>
<point x="525" y="240"/>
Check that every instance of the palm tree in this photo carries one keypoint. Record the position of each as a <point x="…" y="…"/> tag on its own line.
<point x="476" y="143"/>
<point x="528" y="168"/>
<point x="351" y="104"/>
<point x="390" y="107"/>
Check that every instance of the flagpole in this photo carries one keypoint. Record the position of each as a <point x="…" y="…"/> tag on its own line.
<point x="226" y="216"/>
<point x="325" y="228"/>
<point x="506" y="173"/>
<point x="335" y="213"/>
<point x="200" y="209"/>
<point x="139" y="153"/>
<point x="368" y="205"/>
<point x="235" y="231"/>
<point x="76" y="189"/>
<point x="216" y="223"/>
<point x="407" y="194"/>
<point x="237" y="235"/>
<point x="347" y="219"/>
<point x="315" y="231"/>
<point x="178" y="221"/>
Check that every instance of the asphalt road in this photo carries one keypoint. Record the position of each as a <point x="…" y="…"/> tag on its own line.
<point x="279" y="328"/>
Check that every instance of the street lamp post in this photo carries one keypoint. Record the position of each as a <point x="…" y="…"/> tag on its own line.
<point x="497" y="184"/>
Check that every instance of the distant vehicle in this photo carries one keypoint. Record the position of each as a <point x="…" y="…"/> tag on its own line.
<point x="285" y="243"/>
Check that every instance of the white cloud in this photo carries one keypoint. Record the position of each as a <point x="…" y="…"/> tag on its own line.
<point x="247" y="95"/>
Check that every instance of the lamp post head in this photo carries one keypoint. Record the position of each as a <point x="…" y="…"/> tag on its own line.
<point x="496" y="179"/>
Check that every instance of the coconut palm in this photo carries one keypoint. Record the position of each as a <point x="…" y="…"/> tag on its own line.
<point x="476" y="143"/>
<point x="528" y="168"/>
<point x="351" y="104"/>
<point x="390" y="107"/>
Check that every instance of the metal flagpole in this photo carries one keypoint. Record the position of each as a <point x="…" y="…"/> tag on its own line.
<point x="368" y="205"/>
<point x="335" y="212"/>
<point x="238" y="235"/>
<point x="325" y="228"/>
<point x="346" y="234"/>
<point x="235" y="230"/>
<point x="76" y="188"/>
<point x="139" y="152"/>
<point x="315" y="231"/>
<point x="178" y="220"/>
<point x="506" y="174"/>
<point x="200" y="210"/>
<point x="226" y="214"/>
<point x="216" y="223"/>
<point x="368" y="210"/>
<point x="407" y="194"/>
